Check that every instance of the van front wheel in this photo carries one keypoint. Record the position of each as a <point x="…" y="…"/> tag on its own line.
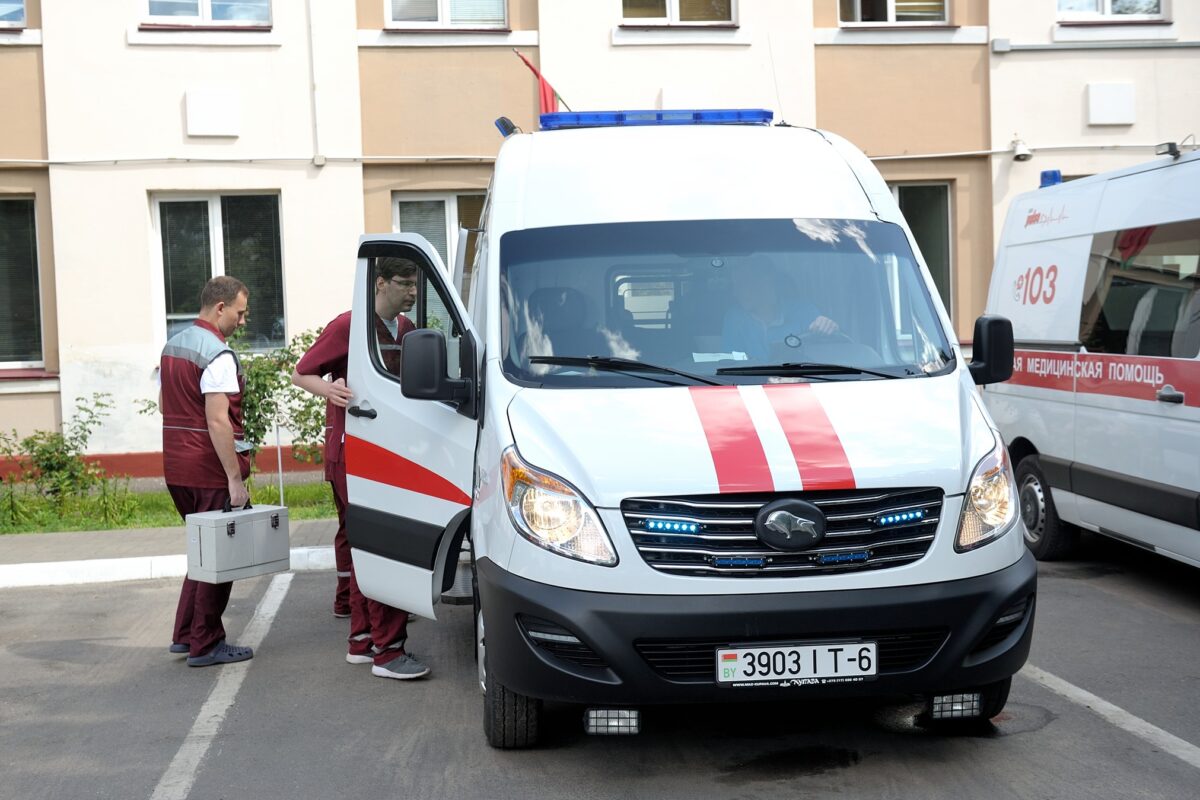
<point x="510" y="720"/>
<point x="1046" y="536"/>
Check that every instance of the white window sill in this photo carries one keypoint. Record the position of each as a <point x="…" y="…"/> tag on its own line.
<point x="47" y="385"/>
<point x="658" y="35"/>
<point x="442" y="37"/>
<point x="1116" y="32"/>
<point x="20" y="36"/>
<point x="862" y="35"/>
<point x="207" y="38"/>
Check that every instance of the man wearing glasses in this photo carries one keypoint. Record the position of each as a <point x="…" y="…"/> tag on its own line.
<point x="377" y="631"/>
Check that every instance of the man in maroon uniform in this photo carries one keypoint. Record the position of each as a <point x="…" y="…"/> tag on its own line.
<point x="377" y="631"/>
<point x="205" y="459"/>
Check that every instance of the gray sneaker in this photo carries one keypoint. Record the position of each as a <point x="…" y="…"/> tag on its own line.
<point x="404" y="668"/>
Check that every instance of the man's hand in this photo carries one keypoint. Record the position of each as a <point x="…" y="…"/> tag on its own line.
<point x="824" y="326"/>
<point x="338" y="393"/>
<point x="238" y="495"/>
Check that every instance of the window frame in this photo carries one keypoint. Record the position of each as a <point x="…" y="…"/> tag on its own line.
<point x="41" y="289"/>
<point x="672" y="20"/>
<point x="450" y="199"/>
<point x="948" y="185"/>
<point x="443" y="22"/>
<point x="216" y="249"/>
<point x="19" y="26"/>
<point x="205" y="19"/>
<point x="891" y="21"/>
<point x="1105" y="15"/>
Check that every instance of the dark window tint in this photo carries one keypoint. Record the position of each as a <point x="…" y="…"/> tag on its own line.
<point x="1142" y="294"/>
<point x="187" y="259"/>
<point x="250" y="237"/>
<point x="20" y="304"/>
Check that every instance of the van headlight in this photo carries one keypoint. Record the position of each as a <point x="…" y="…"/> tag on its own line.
<point x="990" y="506"/>
<point x="552" y="514"/>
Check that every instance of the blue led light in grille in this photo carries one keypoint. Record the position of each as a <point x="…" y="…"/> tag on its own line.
<point x="844" y="558"/>
<point x="900" y="518"/>
<point x="671" y="526"/>
<point x="736" y="561"/>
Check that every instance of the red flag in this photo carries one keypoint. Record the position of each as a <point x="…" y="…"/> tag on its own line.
<point x="547" y="97"/>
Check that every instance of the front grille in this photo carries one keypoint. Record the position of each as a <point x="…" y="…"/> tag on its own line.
<point x="707" y="535"/>
<point x="560" y="642"/>
<point x="695" y="661"/>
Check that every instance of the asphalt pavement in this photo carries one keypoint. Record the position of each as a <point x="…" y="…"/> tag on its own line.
<point x="91" y="705"/>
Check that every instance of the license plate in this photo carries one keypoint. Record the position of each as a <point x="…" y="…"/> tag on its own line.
<point x="797" y="665"/>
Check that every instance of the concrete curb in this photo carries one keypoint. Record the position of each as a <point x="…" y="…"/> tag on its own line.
<point x="139" y="568"/>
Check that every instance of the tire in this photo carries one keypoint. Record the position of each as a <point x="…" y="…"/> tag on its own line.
<point x="1046" y="536"/>
<point x="510" y="720"/>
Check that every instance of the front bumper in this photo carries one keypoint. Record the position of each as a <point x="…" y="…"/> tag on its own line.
<point x="648" y="649"/>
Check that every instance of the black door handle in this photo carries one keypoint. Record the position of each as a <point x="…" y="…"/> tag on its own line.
<point x="1169" y="394"/>
<point x="355" y="411"/>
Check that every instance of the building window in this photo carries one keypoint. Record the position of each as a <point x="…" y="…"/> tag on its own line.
<point x="12" y="13"/>
<point x="210" y="12"/>
<point x="928" y="12"/>
<point x="20" y="300"/>
<point x="448" y="13"/>
<point x="926" y="208"/>
<point x="1142" y="292"/>
<point x="438" y="218"/>
<point x="678" y="12"/>
<point x="234" y="235"/>
<point x="1110" y="10"/>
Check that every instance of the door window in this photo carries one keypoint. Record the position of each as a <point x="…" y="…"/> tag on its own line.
<point x="407" y="297"/>
<point x="1142" y="293"/>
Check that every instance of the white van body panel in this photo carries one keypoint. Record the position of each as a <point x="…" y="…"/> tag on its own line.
<point x="910" y="427"/>
<point x="1100" y="413"/>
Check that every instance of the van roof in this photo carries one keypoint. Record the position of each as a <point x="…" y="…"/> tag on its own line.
<point x="598" y="175"/>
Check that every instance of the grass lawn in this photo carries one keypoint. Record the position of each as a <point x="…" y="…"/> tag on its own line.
<point x="155" y="510"/>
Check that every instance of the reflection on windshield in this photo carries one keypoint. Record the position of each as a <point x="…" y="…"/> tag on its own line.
<point x="700" y="296"/>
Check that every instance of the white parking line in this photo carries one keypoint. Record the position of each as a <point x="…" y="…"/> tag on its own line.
<point x="1139" y="727"/>
<point x="177" y="781"/>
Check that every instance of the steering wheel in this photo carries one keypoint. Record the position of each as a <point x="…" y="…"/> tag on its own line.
<point x="795" y="340"/>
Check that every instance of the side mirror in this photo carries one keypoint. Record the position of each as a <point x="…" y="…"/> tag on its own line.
<point x="992" y="352"/>
<point x="423" y="373"/>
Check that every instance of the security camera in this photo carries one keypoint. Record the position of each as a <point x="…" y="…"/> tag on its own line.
<point x="1021" y="151"/>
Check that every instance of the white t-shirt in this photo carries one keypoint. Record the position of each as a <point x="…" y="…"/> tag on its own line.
<point x="393" y="326"/>
<point x="220" y="376"/>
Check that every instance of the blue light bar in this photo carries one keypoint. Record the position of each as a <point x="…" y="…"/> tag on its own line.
<point x="671" y="526"/>
<point x="617" y="119"/>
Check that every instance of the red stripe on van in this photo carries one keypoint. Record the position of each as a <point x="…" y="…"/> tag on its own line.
<point x="733" y="441"/>
<point x="1133" y="377"/>
<point x="815" y="444"/>
<point x="370" y="461"/>
<point x="1044" y="370"/>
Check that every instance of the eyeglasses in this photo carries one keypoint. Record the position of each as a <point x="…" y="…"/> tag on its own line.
<point x="403" y="284"/>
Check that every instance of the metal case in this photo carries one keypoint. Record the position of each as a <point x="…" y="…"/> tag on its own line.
<point x="225" y="546"/>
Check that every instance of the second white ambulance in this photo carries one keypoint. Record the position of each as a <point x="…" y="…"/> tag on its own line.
<point x="1102" y="417"/>
<point x="704" y="423"/>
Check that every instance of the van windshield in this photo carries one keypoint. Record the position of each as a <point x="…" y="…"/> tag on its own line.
<point x="804" y="299"/>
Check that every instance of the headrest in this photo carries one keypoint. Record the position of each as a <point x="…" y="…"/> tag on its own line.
<point x="557" y="307"/>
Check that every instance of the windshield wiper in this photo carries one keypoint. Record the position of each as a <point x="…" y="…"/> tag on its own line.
<point x="619" y="364"/>
<point x="801" y="368"/>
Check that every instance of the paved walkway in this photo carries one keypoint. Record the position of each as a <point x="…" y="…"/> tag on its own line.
<point x="47" y="559"/>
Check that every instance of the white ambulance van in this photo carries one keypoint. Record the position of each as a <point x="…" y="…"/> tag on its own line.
<point x="1102" y="415"/>
<point x="706" y="428"/>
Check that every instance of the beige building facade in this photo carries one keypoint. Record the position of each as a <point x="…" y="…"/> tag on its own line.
<point x="144" y="151"/>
